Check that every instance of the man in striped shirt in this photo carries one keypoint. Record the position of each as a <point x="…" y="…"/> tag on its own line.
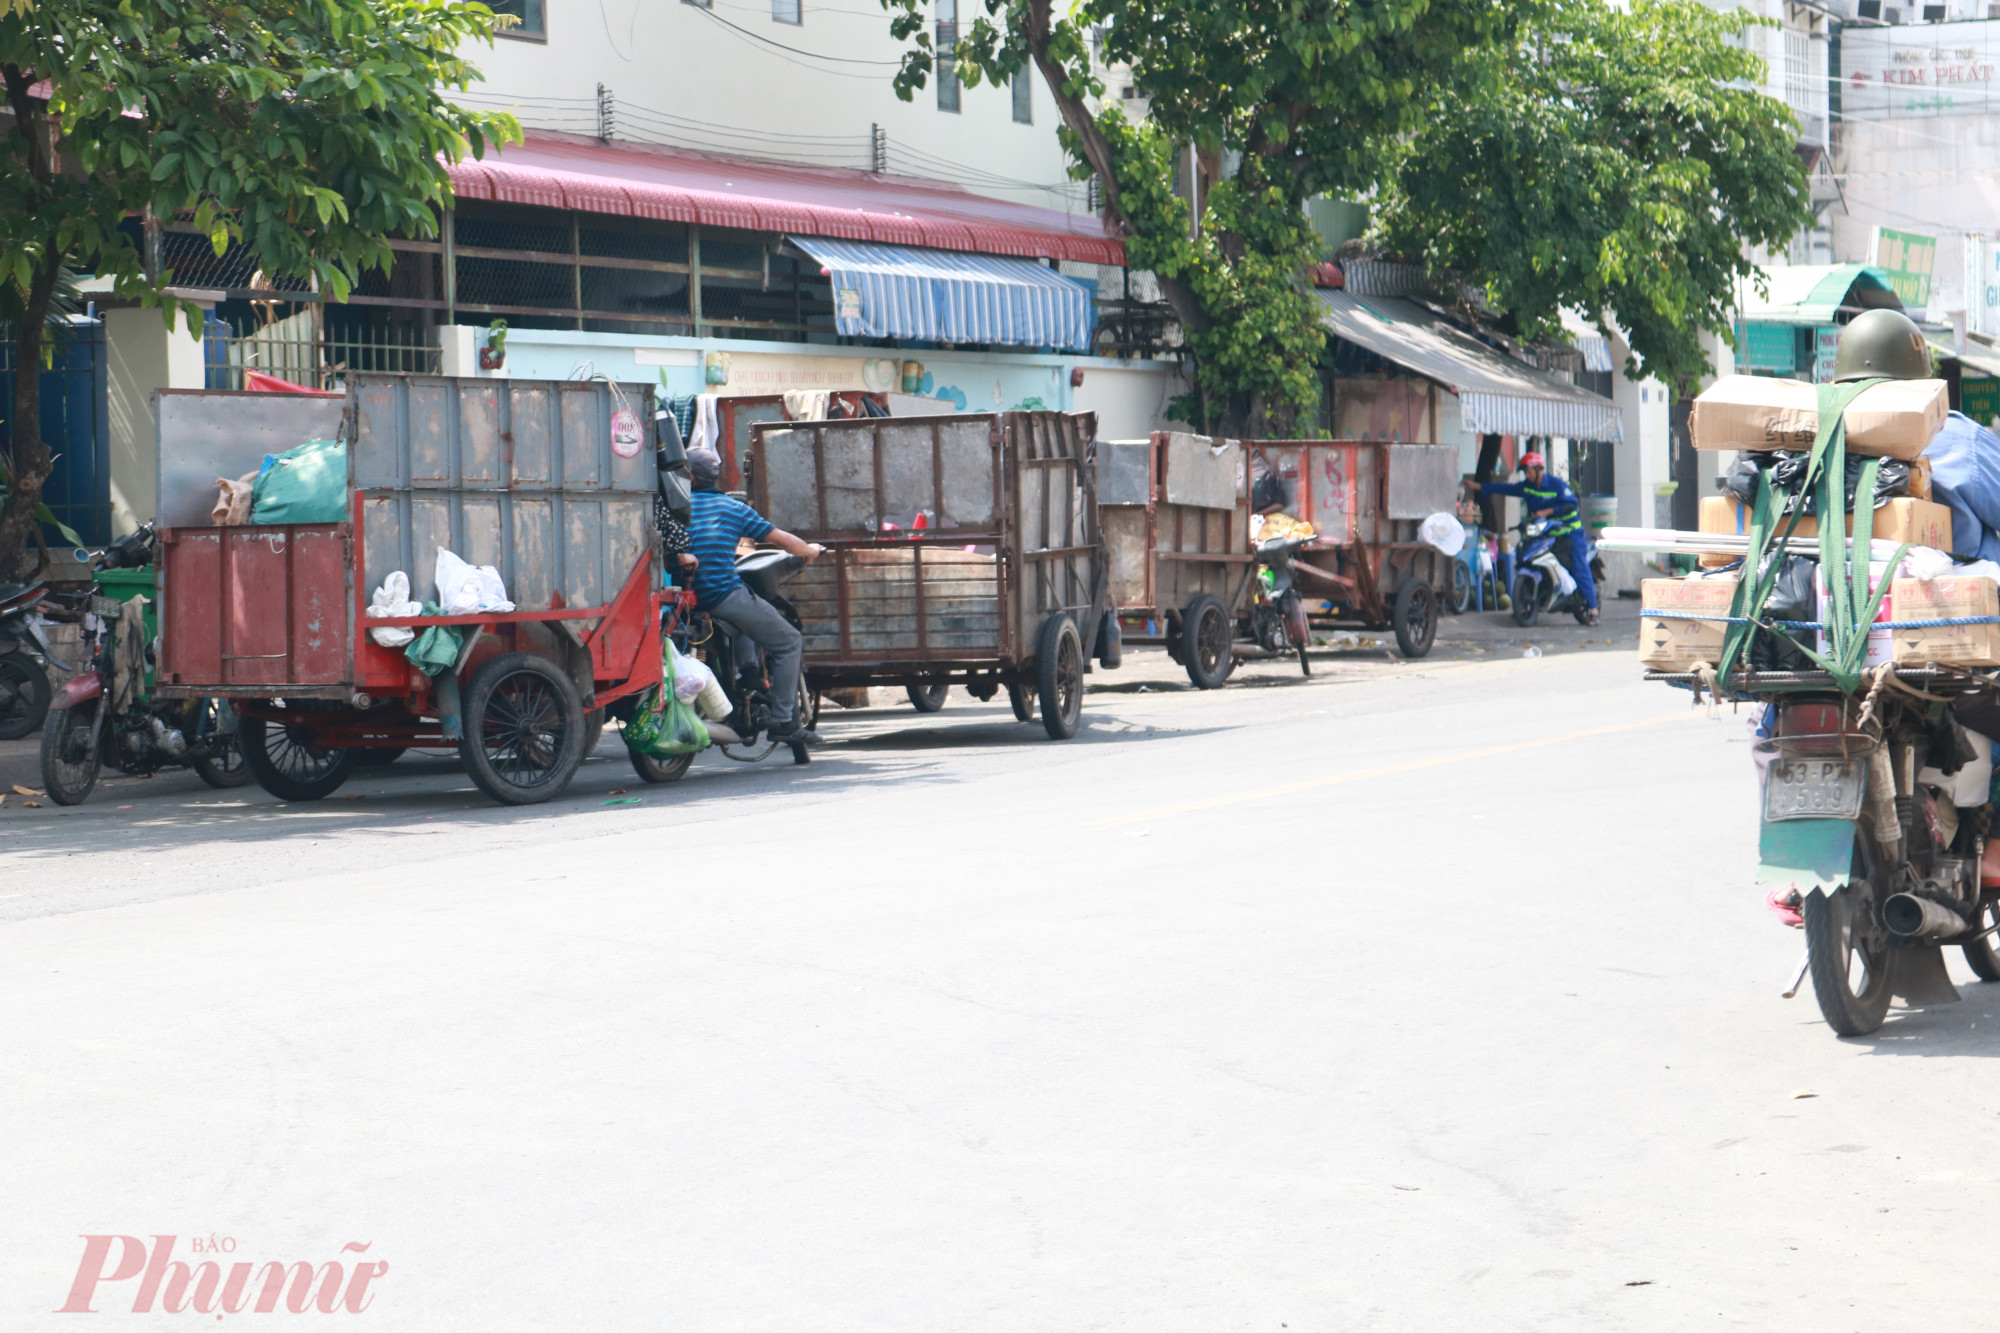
<point x="717" y="524"/>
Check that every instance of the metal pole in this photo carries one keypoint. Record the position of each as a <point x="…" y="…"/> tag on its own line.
<point x="450" y="263"/>
<point x="576" y="264"/>
<point x="694" y="276"/>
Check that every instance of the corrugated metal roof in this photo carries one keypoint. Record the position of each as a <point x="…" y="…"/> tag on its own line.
<point x="1497" y="394"/>
<point x="890" y="291"/>
<point x="552" y="170"/>
<point x="1813" y="293"/>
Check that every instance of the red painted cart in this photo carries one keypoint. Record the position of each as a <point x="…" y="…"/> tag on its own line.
<point x="550" y="482"/>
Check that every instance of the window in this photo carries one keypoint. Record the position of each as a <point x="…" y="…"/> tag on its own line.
<point x="531" y="23"/>
<point x="947" y="68"/>
<point x="786" y="11"/>
<point x="1024" y="97"/>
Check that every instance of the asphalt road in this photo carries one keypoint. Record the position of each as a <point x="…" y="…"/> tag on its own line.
<point x="1412" y="997"/>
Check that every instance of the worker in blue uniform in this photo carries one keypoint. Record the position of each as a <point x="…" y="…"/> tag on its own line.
<point x="1549" y="496"/>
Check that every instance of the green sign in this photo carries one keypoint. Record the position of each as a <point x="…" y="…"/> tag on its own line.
<point x="1768" y="347"/>
<point x="1979" y="399"/>
<point x="1906" y="259"/>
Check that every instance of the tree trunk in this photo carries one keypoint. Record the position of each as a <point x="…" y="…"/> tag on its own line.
<point x="30" y="464"/>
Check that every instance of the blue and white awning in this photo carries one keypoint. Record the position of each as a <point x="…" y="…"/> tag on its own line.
<point x="891" y="291"/>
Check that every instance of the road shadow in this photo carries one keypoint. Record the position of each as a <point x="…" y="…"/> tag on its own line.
<point x="1969" y="1028"/>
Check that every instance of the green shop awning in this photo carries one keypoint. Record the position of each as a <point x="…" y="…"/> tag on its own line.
<point x="1814" y="293"/>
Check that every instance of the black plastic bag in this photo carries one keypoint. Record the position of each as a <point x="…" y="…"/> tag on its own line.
<point x="1793" y="597"/>
<point x="1788" y="474"/>
<point x="1267" y="488"/>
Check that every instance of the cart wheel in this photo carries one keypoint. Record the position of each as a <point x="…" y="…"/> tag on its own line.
<point x="288" y="764"/>
<point x="1023" y="702"/>
<point x="524" y="729"/>
<point x="70" y="746"/>
<point x="1415" y="617"/>
<point x="1527" y="609"/>
<point x="1205" y="642"/>
<point x="928" y="698"/>
<point x="1461" y="589"/>
<point x="1059" y="663"/>
<point x="650" y="769"/>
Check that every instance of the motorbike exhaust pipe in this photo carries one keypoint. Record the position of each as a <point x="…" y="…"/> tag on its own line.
<point x="722" y="734"/>
<point x="1909" y="917"/>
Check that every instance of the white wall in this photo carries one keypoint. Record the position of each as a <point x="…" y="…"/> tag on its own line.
<point x="733" y="94"/>
<point x="141" y="355"/>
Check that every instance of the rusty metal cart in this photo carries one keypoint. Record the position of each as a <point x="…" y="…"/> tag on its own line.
<point x="550" y="482"/>
<point x="1175" y="510"/>
<point x="960" y="550"/>
<point x="1366" y="498"/>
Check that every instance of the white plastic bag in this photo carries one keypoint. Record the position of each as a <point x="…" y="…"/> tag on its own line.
<point x="393" y="599"/>
<point x="1443" y="531"/>
<point x="691" y="675"/>
<point x="464" y="589"/>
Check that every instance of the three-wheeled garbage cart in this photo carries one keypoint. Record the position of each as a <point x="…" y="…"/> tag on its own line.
<point x="960" y="550"/>
<point x="551" y="483"/>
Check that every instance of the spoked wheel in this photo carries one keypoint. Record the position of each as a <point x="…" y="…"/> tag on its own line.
<point x="928" y="698"/>
<point x="289" y="763"/>
<point x="1461" y="589"/>
<point x="1981" y="955"/>
<point x="227" y="767"/>
<point x="524" y="729"/>
<point x="1205" y="642"/>
<point x="1059" y="663"/>
<point x="1527" y="606"/>
<point x="650" y="769"/>
<point x="24" y="696"/>
<point x="1850" y="961"/>
<point x="70" y="746"/>
<point x="1022" y="702"/>
<point x="1415" y="617"/>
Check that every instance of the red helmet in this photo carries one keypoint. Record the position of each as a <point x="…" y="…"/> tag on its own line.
<point x="1532" y="459"/>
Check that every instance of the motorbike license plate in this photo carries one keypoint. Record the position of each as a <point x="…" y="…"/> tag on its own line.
<point x="1813" y="789"/>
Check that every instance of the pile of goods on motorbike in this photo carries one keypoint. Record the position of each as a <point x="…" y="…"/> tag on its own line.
<point x="1848" y="593"/>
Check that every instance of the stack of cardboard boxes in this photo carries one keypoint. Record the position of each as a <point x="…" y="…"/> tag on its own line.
<point x="1897" y="419"/>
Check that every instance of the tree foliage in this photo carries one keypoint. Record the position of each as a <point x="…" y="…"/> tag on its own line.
<point x="1281" y="99"/>
<point x="1615" y="163"/>
<point x="307" y="129"/>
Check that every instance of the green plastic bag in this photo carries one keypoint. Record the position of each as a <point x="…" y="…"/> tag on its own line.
<point x="662" y="726"/>
<point x="303" y="485"/>
<point x="436" y="647"/>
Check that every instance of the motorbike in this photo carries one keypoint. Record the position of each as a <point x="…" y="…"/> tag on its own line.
<point x="739" y="668"/>
<point x="25" y="658"/>
<point x="1277" y="613"/>
<point x="1541" y="584"/>
<point x="1869" y="857"/>
<point x="94" y="719"/>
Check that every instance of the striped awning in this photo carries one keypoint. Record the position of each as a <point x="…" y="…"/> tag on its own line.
<point x="892" y="291"/>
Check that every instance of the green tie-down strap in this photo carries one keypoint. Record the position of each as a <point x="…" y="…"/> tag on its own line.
<point x="1851" y="604"/>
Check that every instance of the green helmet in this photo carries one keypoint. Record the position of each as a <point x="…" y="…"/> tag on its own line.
<point x="1881" y="344"/>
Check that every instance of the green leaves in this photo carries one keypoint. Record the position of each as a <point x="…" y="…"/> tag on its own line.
<point x="1615" y="161"/>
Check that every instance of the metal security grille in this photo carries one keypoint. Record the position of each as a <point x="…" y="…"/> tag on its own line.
<point x="317" y="347"/>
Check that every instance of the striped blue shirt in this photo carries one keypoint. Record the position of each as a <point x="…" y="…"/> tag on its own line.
<point x="718" y="523"/>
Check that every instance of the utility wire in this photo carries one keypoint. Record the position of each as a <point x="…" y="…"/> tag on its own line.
<point x="811" y="55"/>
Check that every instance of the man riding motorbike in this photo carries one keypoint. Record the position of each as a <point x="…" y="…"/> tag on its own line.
<point x="718" y="523"/>
<point x="1550" y="496"/>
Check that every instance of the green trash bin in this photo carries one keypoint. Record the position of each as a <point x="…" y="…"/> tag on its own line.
<point x="125" y="584"/>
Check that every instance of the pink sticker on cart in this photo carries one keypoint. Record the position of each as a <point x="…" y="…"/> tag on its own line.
<point x="625" y="434"/>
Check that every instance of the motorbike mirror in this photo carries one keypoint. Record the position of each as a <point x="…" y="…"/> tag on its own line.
<point x="671" y="455"/>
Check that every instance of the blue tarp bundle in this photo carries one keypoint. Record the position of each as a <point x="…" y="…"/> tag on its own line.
<point x="1965" y="478"/>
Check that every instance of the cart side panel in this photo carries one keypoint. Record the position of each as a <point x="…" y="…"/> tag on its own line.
<point x="1054" y="527"/>
<point x="860" y="604"/>
<point x="1127" y="556"/>
<point x="1422" y="480"/>
<point x="256" y="607"/>
<point x="844" y="479"/>
<point x="1203" y="511"/>
<point x="517" y="474"/>
<point x="202" y="434"/>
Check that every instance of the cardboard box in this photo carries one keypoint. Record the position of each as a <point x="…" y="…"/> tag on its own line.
<point x="1947" y="599"/>
<point x="1897" y="419"/>
<point x="1918" y="522"/>
<point x="1881" y="642"/>
<point x="1677" y="645"/>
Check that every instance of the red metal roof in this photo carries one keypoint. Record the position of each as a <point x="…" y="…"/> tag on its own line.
<point x="554" y="170"/>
